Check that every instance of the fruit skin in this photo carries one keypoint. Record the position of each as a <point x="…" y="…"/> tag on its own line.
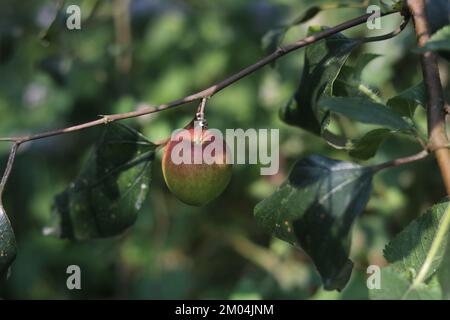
<point x="196" y="184"/>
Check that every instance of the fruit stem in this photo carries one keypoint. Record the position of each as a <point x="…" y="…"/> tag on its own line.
<point x="200" y="115"/>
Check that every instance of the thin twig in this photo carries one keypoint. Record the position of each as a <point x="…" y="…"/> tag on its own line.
<point x="208" y="92"/>
<point x="435" y="110"/>
<point x="9" y="165"/>
<point x="389" y="35"/>
<point x="401" y="161"/>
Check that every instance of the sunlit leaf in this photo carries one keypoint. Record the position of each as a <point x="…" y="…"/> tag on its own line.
<point x="415" y="255"/>
<point x="106" y="197"/>
<point x="396" y="286"/>
<point x="315" y="209"/>
<point x="444" y="273"/>
<point x="391" y="5"/>
<point x="408" y="250"/>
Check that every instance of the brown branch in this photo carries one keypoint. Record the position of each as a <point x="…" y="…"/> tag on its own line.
<point x="401" y="161"/>
<point x="208" y="92"/>
<point x="435" y="111"/>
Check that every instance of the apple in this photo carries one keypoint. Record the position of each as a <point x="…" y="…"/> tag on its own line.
<point x="195" y="165"/>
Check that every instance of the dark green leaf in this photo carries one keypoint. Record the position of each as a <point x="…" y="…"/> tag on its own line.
<point x="406" y="102"/>
<point x="438" y="13"/>
<point x="48" y="34"/>
<point x="8" y="247"/>
<point x="323" y="62"/>
<point x="314" y="210"/>
<point x="106" y="197"/>
<point x="365" y="111"/>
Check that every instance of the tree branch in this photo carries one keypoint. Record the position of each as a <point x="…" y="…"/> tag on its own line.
<point x="401" y="161"/>
<point x="210" y="91"/>
<point x="9" y="165"/>
<point x="436" y="111"/>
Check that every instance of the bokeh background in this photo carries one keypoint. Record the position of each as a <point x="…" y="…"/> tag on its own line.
<point x="154" y="51"/>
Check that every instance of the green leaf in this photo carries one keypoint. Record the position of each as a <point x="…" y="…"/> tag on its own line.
<point x="353" y="73"/>
<point x="363" y="148"/>
<point x="391" y="5"/>
<point x="323" y="62"/>
<point x="444" y="273"/>
<point x="366" y="147"/>
<point x="307" y="15"/>
<point x="405" y="103"/>
<point x="416" y="254"/>
<point x="314" y="210"/>
<point x="409" y="249"/>
<point x="349" y="82"/>
<point x="8" y="248"/>
<point x="365" y="111"/>
<point x="106" y="197"/>
<point x="57" y="24"/>
<point x="395" y="286"/>
<point x="440" y="41"/>
<point x="273" y="38"/>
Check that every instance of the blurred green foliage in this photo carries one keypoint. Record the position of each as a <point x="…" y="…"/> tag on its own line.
<point x="177" y="47"/>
